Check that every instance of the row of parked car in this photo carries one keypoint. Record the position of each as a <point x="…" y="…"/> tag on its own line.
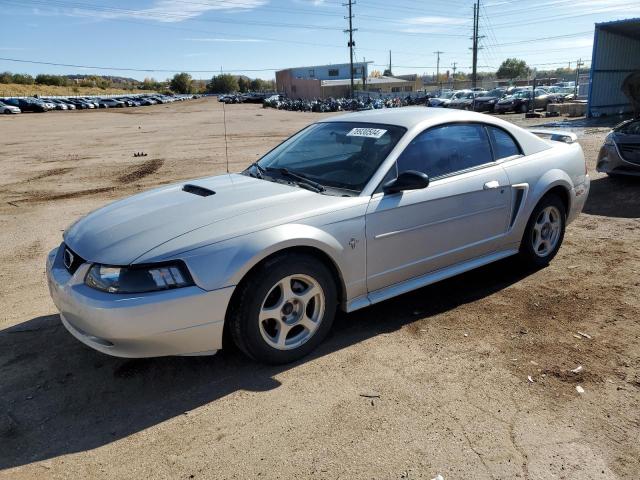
<point x="502" y="100"/>
<point x="44" y="104"/>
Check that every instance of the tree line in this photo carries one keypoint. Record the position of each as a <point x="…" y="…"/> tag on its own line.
<point x="223" y="83"/>
<point x="179" y="83"/>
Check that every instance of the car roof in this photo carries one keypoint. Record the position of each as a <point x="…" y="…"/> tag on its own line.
<point x="420" y="118"/>
<point x="410" y="117"/>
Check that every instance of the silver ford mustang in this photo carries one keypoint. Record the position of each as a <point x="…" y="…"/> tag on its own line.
<point x="346" y="213"/>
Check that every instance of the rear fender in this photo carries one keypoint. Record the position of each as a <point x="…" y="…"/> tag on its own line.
<point x="549" y="180"/>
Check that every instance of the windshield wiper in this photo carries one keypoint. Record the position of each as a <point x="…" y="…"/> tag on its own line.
<point x="259" y="169"/>
<point x="300" y="179"/>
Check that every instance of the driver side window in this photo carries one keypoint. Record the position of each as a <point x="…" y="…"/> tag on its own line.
<point x="446" y="149"/>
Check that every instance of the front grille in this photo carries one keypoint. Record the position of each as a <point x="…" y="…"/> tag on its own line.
<point x="630" y="152"/>
<point x="71" y="260"/>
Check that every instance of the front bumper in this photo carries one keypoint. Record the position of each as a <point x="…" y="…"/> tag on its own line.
<point x="484" y="107"/>
<point x="504" y="107"/>
<point x="184" y="321"/>
<point x="610" y="161"/>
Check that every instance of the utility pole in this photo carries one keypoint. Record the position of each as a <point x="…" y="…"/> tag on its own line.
<point x="351" y="43"/>
<point x="579" y="63"/>
<point x="454" y="67"/>
<point x="364" y="74"/>
<point x="438" y="65"/>
<point x="476" y="38"/>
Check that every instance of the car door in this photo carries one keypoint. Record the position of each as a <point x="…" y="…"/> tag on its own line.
<point x="462" y="214"/>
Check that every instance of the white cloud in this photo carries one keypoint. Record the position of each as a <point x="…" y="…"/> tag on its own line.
<point x="229" y="40"/>
<point x="436" y="20"/>
<point x="170" y="11"/>
<point x="316" y="3"/>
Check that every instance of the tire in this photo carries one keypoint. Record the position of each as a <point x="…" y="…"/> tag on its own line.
<point x="262" y="311"/>
<point x="523" y="108"/>
<point x="544" y="232"/>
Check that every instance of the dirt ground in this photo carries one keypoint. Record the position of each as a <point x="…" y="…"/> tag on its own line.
<point x="435" y="381"/>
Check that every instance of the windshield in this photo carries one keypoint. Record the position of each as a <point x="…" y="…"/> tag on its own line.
<point x="342" y="155"/>
<point x="631" y="128"/>
<point x="495" y="93"/>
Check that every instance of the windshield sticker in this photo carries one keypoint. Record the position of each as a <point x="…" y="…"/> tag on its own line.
<point x="367" y="132"/>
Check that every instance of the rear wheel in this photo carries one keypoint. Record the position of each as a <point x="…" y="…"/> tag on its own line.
<point x="284" y="309"/>
<point x="545" y="232"/>
<point x="524" y="108"/>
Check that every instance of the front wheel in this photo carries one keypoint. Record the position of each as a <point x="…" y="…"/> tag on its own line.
<point x="545" y="232"/>
<point x="284" y="309"/>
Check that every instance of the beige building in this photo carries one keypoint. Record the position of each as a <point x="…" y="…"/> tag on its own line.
<point x="313" y="88"/>
<point x="387" y="85"/>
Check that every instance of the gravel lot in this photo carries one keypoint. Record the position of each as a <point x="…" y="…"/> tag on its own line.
<point x="431" y="382"/>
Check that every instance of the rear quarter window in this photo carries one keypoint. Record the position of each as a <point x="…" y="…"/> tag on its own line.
<point x="503" y="143"/>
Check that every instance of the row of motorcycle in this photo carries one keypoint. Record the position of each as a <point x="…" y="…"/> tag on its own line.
<point x="340" y="104"/>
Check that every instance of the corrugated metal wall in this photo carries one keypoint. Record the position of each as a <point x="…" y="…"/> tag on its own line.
<point x="614" y="57"/>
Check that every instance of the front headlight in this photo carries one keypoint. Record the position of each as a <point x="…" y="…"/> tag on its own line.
<point x="138" y="279"/>
<point x="608" y="141"/>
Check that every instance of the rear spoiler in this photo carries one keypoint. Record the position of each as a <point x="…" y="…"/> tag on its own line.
<point x="555" y="135"/>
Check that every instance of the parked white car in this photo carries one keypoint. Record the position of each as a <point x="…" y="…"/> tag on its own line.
<point x="8" y="109"/>
<point x="349" y="212"/>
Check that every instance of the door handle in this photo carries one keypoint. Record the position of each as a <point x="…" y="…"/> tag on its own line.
<point x="491" y="185"/>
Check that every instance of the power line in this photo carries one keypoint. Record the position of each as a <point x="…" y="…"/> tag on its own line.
<point x="142" y="14"/>
<point x="165" y="70"/>
<point x="147" y="70"/>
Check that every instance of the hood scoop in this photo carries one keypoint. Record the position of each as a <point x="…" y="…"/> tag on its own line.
<point x="196" y="190"/>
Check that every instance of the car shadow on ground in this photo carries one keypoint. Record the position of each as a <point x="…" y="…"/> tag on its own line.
<point x="59" y="397"/>
<point x="614" y="197"/>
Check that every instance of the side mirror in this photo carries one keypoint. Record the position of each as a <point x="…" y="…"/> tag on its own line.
<point x="408" y="180"/>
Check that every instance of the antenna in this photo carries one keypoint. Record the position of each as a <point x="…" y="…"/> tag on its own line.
<point x="226" y="147"/>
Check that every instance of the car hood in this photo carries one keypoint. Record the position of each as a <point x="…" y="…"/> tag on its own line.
<point x="507" y="100"/>
<point x="627" y="138"/>
<point x="123" y="231"/>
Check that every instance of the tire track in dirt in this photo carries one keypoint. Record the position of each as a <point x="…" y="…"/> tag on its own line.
<point x="144" y="170"/>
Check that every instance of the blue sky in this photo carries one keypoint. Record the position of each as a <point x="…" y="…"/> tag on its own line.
<point x="255" y="37"/>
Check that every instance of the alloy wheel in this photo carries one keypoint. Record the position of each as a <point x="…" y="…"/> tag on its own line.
<point x="546" y="231"/>
<point x="291" y="312"/>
